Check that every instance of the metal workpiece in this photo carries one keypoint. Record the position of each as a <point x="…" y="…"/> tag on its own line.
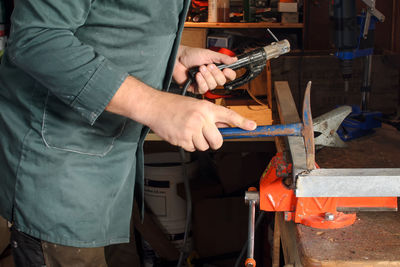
<point x="277" y="49"/>
<point x="326" y="126"/>
<point x="348" y="183"/>
<point x="288" y="114"/>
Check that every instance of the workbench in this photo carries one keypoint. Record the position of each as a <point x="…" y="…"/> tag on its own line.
<point x="374" y="239"/>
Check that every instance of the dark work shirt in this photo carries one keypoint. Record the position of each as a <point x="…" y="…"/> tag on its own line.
<point x="68" y="168"/>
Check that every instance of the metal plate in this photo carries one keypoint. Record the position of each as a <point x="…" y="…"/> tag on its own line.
<point x="349" y="183"/>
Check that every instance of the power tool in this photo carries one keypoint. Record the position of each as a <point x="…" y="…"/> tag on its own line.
<point x="354" y="38"/>
<point x="253" y="61"/>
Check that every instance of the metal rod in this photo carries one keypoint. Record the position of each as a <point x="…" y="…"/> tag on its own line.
<point x="366" y="86"/>
<point x="243" y="251"/>
<point x="273" y="36"/>
<point x="252" y="216"/>
<point x="294" y="129"/>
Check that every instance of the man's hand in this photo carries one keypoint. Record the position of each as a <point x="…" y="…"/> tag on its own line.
<point x="209" y="76"/>
<point x="191" y="123"/>
<point x="182" y="121"/>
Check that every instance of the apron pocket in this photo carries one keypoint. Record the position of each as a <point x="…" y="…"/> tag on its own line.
<point x="64" y="129"/>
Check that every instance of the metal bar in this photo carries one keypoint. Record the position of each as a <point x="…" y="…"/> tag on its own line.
<point x="372" y="9"/>
<point x="250" y="237"/>
<point x="263" y="131"/>
<point x="366" y="86"/>
<point x="288" y="114"/>
<point x="366" y="25"/>
<point x="349" y="183"/>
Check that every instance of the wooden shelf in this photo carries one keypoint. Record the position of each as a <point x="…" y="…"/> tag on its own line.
<point x="240" y="25"/>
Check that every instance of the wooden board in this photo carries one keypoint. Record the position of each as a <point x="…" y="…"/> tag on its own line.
<point x="262" y="115"/>
<point x="194" y="37"/>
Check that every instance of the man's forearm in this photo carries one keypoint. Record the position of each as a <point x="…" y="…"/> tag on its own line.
<point x="133" y="100"/>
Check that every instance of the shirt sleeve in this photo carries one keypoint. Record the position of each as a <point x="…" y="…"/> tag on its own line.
<point x="42" y="43"/>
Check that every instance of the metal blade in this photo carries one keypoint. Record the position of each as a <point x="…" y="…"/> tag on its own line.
<point x="308" y="129"/>
<point x="328" y="124"/>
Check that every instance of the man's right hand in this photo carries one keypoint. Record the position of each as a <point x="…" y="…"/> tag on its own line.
<point x="182" y="121"/>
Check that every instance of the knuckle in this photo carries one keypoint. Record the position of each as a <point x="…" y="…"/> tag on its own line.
<point x="203" y="147"/>
<point x="221" y="80"/>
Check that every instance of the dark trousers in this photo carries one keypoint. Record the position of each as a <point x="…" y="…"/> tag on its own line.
<point x="32" y="252"/>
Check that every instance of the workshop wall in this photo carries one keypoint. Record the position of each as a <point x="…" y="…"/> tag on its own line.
<point x="328" y="86"/>
<point x="319" y="27"/>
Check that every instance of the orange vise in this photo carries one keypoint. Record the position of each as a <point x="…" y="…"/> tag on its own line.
<point x="277" y="194"/>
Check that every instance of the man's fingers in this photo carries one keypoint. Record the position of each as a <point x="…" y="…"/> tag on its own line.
<point x="222" y="125"/>
<point x="228" y="116"/>
<point x="202" y="86"/>
<point x="229" y="73"/>
<point x="217" y="74"/>
<point x="213" y="136"/>
<point x="200" y="142"/>
<point x="208" y="77"/>
<point x="222" y="58"/>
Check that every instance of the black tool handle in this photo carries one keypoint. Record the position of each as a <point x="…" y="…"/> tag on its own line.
<point x="253" y="61"/>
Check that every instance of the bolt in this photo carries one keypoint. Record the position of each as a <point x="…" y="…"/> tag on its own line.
<point x="329" y="216"/>
<point x="288" y="216"/>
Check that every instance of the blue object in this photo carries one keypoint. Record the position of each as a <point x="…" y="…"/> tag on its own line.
<point x="359" y="123"/>
<point x="359" y="52"/>
<point x="294" y="129"/>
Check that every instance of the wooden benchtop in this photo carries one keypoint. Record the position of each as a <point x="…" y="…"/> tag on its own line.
<point x="374" y="240"/>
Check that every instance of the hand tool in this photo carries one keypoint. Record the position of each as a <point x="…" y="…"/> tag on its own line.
<point x="325" y="129"/>
<point x="304" y="129"/>
<point x="253" y="61"/>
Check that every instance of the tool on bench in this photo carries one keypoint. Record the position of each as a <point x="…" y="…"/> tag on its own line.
<point x="304" y="129"/>
<point x="319" y="198"/>
<point x="325" y="129"/>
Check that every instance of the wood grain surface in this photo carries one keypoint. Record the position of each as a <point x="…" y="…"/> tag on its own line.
<point x="374" y="240"/>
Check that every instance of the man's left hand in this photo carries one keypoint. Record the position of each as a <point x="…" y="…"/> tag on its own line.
<point x="209" y="76"/>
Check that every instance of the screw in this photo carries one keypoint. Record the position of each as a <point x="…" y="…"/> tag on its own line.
<point x="329" y="216"/>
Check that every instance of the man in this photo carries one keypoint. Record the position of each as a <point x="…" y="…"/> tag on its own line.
<point x="78" y="81"/>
